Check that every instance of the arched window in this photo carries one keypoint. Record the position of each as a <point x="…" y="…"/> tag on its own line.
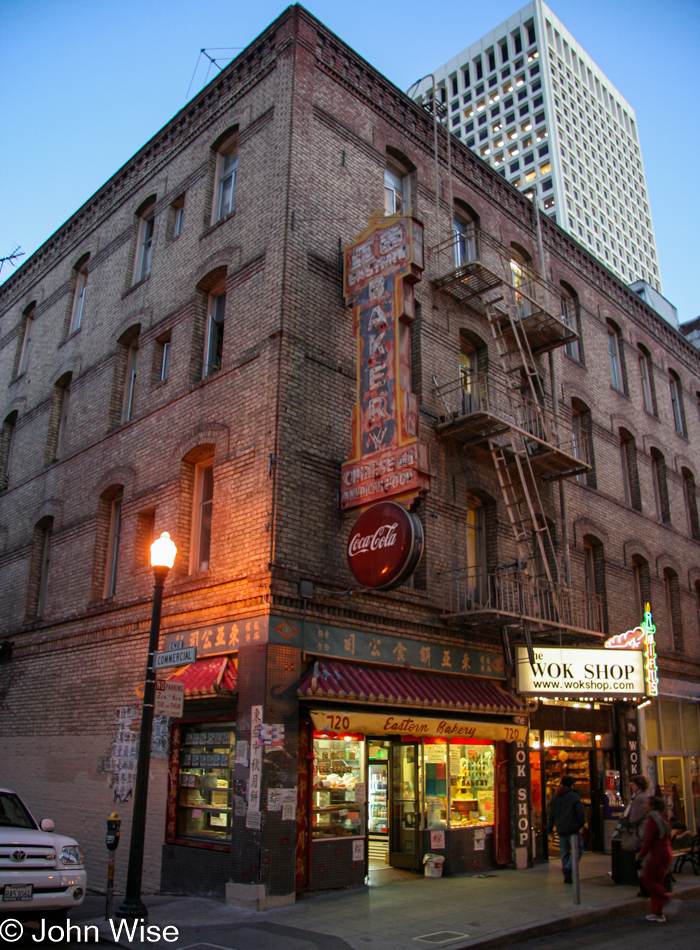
<point x="473" y="372"/>
<point x="570" y="316"/>
<point x="464" y="229"/>
<point x="617" y="374"/>
<point x="479" y="546"/>
<point x="594" y="577"/>
<point x="658" y="476"/>
<point x="107" y="538"/>
<point x="520" y="278"/>
<point x="58" y="419"/>
<point x="677" y="403"/>
<point x="145" y="225"/>
<point x="630" y="476"/>
<point x="196" y="509"/>
<point x="6" y="439"/>
<point x="646" y="379"/>
<point x="225" y="187"/>
<point x="582" y="425"/>
<point x="39" y="568"/>
<point x="80" y="278"/>
<point x="673" y="609"/>
<point x="642" y="584"/>
<point x="397" y="197"/>
<point x="691" y="503"/>
<point x="123" y="396"/>
<point x="25" y="339"/>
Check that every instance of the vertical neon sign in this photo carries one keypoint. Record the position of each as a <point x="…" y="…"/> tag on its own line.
<point x="650" y="653"/>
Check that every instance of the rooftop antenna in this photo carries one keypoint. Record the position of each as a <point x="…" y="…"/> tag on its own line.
<point x="10" y="258"/>
<point x="213" y="61"/>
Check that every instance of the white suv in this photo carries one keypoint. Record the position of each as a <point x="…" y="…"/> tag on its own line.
<point x="39" y="871"/>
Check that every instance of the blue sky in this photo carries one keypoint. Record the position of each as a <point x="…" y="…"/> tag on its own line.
<point x="86" y="82"/>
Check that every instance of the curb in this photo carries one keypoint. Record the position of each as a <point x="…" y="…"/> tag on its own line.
<point x="562" y="925"/>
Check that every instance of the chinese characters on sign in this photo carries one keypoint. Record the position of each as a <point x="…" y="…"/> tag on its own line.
<point x="255" y="777"/>
<point x="386" y="458"/>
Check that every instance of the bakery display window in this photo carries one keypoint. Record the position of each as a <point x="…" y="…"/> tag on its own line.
<point x="339" y="786"/>
<point x="472" y="783"/>
<point x="435" y="771"/>
<point x="204" y="804"/>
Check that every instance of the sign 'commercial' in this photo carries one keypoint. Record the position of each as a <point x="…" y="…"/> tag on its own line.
<point x="386" y="460"/>
<point x="580" y="672"/>
<point x="385" y="546"/>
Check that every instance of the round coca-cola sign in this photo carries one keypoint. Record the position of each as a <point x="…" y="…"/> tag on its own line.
<point x="385" y="546"/>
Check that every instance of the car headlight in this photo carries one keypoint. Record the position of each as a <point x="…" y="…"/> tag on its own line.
<point x="71" y="855"/>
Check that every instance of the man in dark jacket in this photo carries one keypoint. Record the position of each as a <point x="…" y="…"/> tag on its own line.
<point x="568" y="816"/>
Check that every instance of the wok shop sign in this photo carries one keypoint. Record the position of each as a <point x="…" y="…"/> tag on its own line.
<point x="581" y="672"/>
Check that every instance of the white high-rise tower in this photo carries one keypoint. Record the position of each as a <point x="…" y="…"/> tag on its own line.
<point x="529" y="100"/>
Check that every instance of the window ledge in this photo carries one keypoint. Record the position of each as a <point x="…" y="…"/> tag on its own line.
<point x="576" y="362"/>
<point x="139" y="283"/>
<point x="69" y="337"/>
<point x="159" y="383"/>
<point x="16" y="379"/>
<point x="620" y="392"/>
<point x="217" y="224"/>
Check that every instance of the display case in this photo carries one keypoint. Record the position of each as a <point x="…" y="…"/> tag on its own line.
<point x="378" y="798"/>
<point x="472" y="783"/>
<point x="339" y="788"/>
<point x="204" y="804"/>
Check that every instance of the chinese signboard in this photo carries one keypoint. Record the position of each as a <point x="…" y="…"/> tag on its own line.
<point x="341" y="642"/>
<point x="581" y="672"/>
<point x="386" y="458"/>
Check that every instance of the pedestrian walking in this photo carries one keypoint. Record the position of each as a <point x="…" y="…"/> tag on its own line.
<point x="635" y="819"/>
<point x="658" y="853"/>
<point x="568" y="816"/>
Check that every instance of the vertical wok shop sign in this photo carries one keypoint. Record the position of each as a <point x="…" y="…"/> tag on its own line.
<point x="386" y="460"/>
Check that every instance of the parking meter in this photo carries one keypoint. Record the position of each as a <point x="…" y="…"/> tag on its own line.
<point x="112" y="839"/>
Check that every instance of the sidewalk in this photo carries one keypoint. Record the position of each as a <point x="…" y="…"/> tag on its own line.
<point x="494" y="909"/>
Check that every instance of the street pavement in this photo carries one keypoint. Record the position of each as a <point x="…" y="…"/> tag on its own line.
<point x="404" y="911"/>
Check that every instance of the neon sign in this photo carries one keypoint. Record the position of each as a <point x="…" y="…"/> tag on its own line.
<point x="641" y="638"/>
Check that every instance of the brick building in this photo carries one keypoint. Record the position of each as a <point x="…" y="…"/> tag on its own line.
<point x="180" y="356"/>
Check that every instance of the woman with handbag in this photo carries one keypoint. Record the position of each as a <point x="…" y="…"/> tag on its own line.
<point x="635" y="820"/>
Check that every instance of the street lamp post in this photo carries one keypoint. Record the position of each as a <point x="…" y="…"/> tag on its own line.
<point x="163" y="553"/>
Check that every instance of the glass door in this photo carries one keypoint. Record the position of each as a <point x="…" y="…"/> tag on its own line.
<point x="404" y="829"/>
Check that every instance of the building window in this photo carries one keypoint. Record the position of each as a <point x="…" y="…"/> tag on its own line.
<point x="464" y="239"/>
<point x="582" y="423"/>
<point x="616" y="375"/>
<point x="58" y="419"/>
<point x="177" y="216"/>
<point x="658" y="475"/>
<point x="78" y="304"/>
<point x="476" y="552"/>
<point x="227" y="163"/>
<point x="630" y="474"/>
<point x="395" y="189"/>
<point x="202" y="516"/>
<point x="144" y="241"/>
<point x="145" y="533"/>
<point x="115" y="524"/>
<point x="214" y="344"/>
<point x="161" y="358"/>
<point x="594" y="579"/>
<point x="132" y="359"/>
<point x="642" y="586"/>
<point x="673" y="609"/>
<point x="646" y="380"/>
<point x="7" y="437"/>
<point x="39" y="569"/>
<point x="26" y="338"/>
<point x="569" y="315"/>
<point x="204" y="788"/>
<point x="677" y="403"/>
<point x="691" y="503"/>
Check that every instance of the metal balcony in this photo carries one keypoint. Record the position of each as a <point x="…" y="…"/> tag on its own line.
<point x="477" y="270"/>
<point x="478" y="409"/>
<point x="480" y="599"/>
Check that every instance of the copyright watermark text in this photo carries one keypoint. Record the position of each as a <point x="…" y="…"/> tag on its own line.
<point x="135" y="931"/>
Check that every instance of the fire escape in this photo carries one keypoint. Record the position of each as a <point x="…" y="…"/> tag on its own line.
<point x="509" y="413"/>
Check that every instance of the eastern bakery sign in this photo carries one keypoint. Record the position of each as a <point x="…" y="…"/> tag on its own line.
<point x="386" y="459"/>
<point x="385" y="546"/>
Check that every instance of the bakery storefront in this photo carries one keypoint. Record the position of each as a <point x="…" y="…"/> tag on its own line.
<point x="404" y="763"/>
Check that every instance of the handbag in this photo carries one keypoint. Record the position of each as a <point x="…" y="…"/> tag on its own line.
<point x="629" y="837"/>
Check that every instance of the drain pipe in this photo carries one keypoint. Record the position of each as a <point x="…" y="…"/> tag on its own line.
<point x="555" y="410"/>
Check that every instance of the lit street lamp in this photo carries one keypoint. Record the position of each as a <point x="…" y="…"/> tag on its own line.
<point x="163" y="553"/>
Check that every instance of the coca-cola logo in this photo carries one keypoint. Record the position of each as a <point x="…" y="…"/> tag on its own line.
<point x="385" y="546"/>
<point x="384" y="537"/>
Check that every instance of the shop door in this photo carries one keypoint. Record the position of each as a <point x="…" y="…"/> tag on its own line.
<point x="404" y="827"/>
